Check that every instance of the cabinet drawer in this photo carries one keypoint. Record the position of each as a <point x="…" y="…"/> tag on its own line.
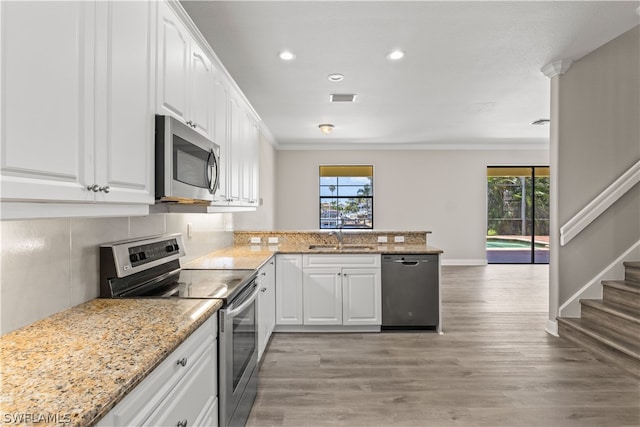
<point x="340" y="260"/>
<point x="194" y="394"/>
<point x="148" y="395"/>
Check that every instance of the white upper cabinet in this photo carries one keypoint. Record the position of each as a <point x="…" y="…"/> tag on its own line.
<point x="124" y="104"/>
<point x="185" y="74"/>
<point x="220" y="126"/>
<point x="47" y="100"/>
<point x="173" y="64"/>
<point x="201" y="96"/>
<point x="76" y="95"/>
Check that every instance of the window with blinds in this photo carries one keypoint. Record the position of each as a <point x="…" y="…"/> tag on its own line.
<point x="346" y="196"/>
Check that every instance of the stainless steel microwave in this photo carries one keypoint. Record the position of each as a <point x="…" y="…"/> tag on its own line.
<point x="187" y="164"/>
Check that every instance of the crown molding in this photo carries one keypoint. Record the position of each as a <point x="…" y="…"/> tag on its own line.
<point x="556" y="68"/>
<point x="512" y="145"/>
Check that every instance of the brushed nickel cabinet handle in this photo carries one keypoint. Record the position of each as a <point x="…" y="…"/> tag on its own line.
<point x="95" y="188"/>
<point x="106" y="189"/>
<point x="182" y="362"/>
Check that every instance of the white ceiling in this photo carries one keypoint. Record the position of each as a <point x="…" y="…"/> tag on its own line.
<point x="471" y="75"/>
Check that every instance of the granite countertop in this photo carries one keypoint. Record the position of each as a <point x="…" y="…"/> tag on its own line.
<point x="254" y="256"/>
<point x="73" y="367"/>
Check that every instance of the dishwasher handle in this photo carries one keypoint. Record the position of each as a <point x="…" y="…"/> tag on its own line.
<point x="409" y="263"/>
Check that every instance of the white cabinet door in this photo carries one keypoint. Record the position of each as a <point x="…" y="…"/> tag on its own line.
<point x="173" y="64"/>
<point x="221" y="136"/>
<point x="236" y="143"/>
<point x="288" y="289"/>
<point x="47" y="100"/>
<point x="253" y="163"/>
<point x="266" y="305"/>
<point x="125" y="55"/>
<point x="361" y="296"/>
<point x="322" y="295"/>
<point x="201" y="95"/>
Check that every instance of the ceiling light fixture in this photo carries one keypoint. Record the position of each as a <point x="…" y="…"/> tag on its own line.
<point x="395" y="55"/>
<point x="335" y="77"/>
<point x="286" y="55"/>
<point x="326" y="128"/>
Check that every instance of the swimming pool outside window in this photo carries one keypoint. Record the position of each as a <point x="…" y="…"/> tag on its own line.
<point x="346" y="196"/>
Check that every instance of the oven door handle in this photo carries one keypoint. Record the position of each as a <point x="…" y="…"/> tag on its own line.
<point x="233" y="311"/>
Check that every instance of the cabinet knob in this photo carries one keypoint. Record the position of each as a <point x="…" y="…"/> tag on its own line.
<point x="263" y="290"/>
<point x="182" y="423"/>
<point x="95" y="188"/>
<point x="182" y="362"/>
<point x="338" y="274"/>
<point x="106" y="189"/>
<point x="190" y="123"/>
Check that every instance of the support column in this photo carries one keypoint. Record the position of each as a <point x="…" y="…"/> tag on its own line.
<point x="553" y="71"/>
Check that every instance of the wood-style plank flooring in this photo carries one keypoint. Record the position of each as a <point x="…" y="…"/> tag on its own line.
<point x="494" y="366"/>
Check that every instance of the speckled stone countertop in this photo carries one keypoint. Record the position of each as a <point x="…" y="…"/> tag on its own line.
<point x="73" y="367"/>
<point x="252" y="256"/>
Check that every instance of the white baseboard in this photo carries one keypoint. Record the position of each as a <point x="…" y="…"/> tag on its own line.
<point x="552" y="328"/>
<point x="463" y="262"/>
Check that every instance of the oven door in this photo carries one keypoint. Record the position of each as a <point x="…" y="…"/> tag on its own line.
<point x="238" y="357"/>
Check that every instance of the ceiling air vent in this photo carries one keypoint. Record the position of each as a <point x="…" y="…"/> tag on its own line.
<point x="342" y="97"/>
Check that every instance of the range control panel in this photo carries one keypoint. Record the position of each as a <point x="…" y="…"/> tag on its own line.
<point x="146" y="253"/>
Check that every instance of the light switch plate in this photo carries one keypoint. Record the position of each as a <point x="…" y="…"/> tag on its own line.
<point x="255" y="240"/>
<point x="382" y="239"/>
<point x="398" y="239"/>
<point x="273" y="240"/>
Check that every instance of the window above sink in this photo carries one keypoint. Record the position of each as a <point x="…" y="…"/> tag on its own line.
<point x="346" y="196"/>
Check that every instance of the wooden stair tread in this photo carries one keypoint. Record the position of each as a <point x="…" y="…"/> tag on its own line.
<point x="632" y="264"/>
<point x="614" y="309"/>
<point x="623" y="285"/>
<point x="600" y="334"/>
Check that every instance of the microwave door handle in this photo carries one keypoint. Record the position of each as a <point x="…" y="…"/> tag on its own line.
<point x="209" y="173"/>
<point x="216" y="184"/>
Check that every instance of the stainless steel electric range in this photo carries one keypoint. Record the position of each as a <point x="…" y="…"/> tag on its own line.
<point x="150" y="268"/>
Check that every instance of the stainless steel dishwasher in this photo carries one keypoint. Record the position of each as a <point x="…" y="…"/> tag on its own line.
<point x="410" y="291"/>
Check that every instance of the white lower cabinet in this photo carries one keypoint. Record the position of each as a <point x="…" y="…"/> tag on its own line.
<point x="182" y="390"/>
<point x="288" y="289"/>
<point x="328" y="290"/>
<point x="266" y="304"/>
<point x="322" y="296"/>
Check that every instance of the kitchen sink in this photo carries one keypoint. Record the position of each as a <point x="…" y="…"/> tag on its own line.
<point x="341" y="247"/>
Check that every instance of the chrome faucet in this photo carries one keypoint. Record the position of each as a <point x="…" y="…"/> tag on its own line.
<point x="338" y="234"/>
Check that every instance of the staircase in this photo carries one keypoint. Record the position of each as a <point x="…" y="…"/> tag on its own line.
<point x="610" y="328"/>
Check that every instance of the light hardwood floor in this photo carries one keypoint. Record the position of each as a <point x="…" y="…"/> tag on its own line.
<point x="494" y="366"/>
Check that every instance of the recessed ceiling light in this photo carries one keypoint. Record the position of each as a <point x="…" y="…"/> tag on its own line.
<point x="286" y="55"/>
<point x="335" y="77"/>
<point x="326" y="128"/>
<point x="395" y="55"/>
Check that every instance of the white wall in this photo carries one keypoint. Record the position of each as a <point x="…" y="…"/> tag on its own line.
<point x="264" y="216"/>
<point x="440" y="191"/>
<point x="598" y="140"/>
<point x="49" y="265"/>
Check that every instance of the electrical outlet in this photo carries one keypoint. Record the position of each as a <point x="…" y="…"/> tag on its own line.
<point x="382" y="239"/>
<point x="255" y="240"/>
<point x="398" y="239"/>
<point x="273" y="240"/>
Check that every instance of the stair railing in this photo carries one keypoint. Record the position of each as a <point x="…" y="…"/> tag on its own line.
<point x="599" y="204"/>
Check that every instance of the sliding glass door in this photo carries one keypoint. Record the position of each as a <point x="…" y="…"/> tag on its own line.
<point x="518" y="215"/>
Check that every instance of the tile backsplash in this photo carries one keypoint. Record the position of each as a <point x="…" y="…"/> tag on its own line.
<point x="49" y="265"/>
